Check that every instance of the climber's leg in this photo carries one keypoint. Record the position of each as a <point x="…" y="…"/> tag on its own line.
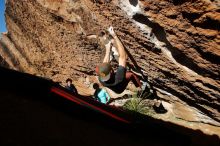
<point x="132" y="77"/>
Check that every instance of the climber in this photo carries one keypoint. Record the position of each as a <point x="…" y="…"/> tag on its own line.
<point x="70" y="86"/>
<point x="100" y="94"/>
<point x="116" y="81"/>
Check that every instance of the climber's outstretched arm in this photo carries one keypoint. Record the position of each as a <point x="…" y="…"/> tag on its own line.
<point x="107" y="47"/>
<point x="107" y="53"/>
<point x="121" y="50"/>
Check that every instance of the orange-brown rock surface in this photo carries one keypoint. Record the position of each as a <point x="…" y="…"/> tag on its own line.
<point x="176" y="43"/>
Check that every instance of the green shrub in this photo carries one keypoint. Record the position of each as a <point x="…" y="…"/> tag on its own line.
<point x="138" y="105"/>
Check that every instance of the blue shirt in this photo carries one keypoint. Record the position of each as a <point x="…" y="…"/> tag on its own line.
<point x="102" y="96"/>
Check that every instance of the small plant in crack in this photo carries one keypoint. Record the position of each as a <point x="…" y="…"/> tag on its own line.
<point x="138" y="105"/>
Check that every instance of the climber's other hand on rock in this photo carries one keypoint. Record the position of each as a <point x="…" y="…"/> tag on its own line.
<point x="111" y="31"/>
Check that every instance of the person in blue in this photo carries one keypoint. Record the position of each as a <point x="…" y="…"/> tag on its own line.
<point x="100" y="94"/>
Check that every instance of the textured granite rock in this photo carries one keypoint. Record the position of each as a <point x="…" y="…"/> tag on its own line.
<point x="176" y="43"/>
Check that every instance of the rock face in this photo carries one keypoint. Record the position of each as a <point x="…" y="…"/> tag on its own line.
<point x="176" y="43"/>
